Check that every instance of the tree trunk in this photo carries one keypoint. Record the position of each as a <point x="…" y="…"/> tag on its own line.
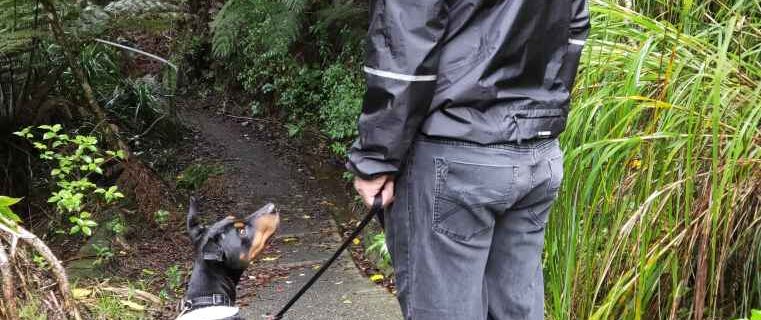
<point x="111" y="131"/>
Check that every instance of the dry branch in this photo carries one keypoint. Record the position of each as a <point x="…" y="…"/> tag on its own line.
<point x="9" y="299"/>
<point x="56" y="267"/>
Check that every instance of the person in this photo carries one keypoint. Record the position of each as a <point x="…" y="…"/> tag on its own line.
<point x="459" y="125"/>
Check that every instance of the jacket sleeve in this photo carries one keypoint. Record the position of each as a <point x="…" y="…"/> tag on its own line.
<point x="401" y="70"/>
<point x="579" y="31"/>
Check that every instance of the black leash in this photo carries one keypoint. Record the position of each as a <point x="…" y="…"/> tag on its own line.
<point x="376" y="211"/>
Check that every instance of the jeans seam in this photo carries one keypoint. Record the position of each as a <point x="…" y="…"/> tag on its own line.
<point x="410" y="231"/>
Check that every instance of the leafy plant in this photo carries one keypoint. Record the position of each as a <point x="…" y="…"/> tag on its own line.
<point x="40" y="261"/>
<point x="379" y="248"/>
<point x="340" y="110"/>
<point x="174" y="279"/>
<point x="103" y="254"/>
<point x="161" y="217"/>
<point x="7" y="216"/>
<point x="31" y="310"/>
<point x="113" y="307"/>
<point x="117" y="226"/>
<point x="75" y="160"/>
<point x="655" y="217"/>
<point x="82" y="223"/>
<point x="754" y="315"/>
<point x="194" y="176"/>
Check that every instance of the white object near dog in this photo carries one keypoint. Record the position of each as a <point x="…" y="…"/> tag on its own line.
<point x="211" y="313"/>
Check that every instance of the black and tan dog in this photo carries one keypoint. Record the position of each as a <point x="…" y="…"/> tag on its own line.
<point x="223" y="252"/>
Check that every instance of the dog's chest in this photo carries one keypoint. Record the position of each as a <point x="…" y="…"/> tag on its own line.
<point x="213" y="313"/>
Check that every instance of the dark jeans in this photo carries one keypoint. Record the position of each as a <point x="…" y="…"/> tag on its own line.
<point x="466" y="231"/>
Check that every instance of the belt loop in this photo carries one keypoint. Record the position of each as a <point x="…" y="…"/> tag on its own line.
<point x="517" y="128"/>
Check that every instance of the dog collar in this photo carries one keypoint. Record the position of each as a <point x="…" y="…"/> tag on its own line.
<point x="217" y="299"/>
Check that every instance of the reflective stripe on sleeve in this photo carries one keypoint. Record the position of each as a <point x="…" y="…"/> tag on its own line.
<point x="399" y="76"/>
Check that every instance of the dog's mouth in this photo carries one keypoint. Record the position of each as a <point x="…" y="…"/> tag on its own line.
<point x="266" y="222"/>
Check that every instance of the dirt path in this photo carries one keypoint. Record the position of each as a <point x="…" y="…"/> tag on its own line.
<point x="259" y="169"/>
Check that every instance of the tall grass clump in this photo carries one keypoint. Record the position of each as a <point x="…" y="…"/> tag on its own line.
<point x="660" y="212"/>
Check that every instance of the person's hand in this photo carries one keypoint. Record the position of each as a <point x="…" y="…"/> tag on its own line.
<point x="368" y="189"/>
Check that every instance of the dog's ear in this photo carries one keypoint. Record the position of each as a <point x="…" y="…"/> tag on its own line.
<point x="265" y="222"/>
<point x="212" y="251"/>
<point x="195" y="229"/>
<point x="211" y="248"/>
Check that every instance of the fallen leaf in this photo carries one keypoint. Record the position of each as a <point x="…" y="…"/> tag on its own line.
<point x="290" y="239"/>
<point x="79" y="293"/>
<point x="273" y="258"/>
<point x="132" y="305"/>
<point x="356" y="241"/>
<point x="377" y="278"/>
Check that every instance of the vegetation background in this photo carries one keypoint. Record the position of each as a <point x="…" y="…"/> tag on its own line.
<point x="659" y="216"/>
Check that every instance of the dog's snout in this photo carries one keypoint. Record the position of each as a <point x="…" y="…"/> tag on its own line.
<point x="269" y="209"/>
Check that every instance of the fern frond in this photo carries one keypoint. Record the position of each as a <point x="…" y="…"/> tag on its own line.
<point x="295" y="6"/>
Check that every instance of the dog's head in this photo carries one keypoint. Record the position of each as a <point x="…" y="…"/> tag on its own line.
<point x="232" y="241"/>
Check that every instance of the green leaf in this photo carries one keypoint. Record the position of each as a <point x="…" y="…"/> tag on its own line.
<point x="755" y="314"/>
<point x="91" y="223"/>
<point x="74" y="230"/>
<point x="85" y="215"/>
<point x="48" y="135"/>
<point x="9" y="214"/>
<point x="87" y="231"/>
<point x="8" y="201"/>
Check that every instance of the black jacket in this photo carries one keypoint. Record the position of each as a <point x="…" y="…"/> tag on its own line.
<point x="483" y="71"/>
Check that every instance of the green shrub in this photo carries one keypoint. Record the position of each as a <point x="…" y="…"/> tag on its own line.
<point x="343" y="90"/>
<point x="379" y="249"/>
<point x="75" y="160"/>
<point x="194" y="176"/>
<point x="283" y="63"/>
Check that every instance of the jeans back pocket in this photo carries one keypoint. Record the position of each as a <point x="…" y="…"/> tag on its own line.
<point x="467" y="195"/>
